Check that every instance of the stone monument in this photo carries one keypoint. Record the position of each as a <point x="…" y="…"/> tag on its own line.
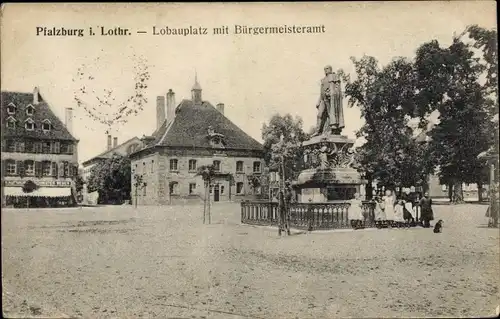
<point x="328" y="155"/>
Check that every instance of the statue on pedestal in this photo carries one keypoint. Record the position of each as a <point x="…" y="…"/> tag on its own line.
<point x="330" y="118"/>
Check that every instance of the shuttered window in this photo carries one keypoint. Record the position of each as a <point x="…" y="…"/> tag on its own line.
<point x="38" y="169"/>
<point x="54" y="169"/>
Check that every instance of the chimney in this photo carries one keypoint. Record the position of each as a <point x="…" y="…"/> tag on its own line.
<point x="36" y="94"/>
<point x="109" y="142"/>
<point x="160" y="111"/>
<point x="170" y="105"/>
<point x="220" y="108"/>
<point x="115" y="141"/>
<point x="69" y="120"/>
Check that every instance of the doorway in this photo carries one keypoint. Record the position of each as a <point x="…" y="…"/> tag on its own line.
<point x="216" y="193"/>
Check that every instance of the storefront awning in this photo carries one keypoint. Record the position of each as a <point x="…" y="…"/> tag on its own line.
<point x="41" y="192"/>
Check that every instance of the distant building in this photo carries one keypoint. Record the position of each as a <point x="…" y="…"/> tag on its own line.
<point x="38" y="149"/>
<point x="112" y="148"/>
<point x="189" y="135"/>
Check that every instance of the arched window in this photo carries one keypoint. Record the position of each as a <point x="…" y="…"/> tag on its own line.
<point x="174" y="188"/>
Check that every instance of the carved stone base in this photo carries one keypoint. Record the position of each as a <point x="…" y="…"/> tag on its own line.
<point x="329" y="175"/>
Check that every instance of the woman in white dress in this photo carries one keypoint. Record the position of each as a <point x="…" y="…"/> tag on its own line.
<point x="389" y="207"/>
<point x="355" y="212"/>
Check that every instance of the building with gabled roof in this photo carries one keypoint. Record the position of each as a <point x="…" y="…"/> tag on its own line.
<point x="189" y="135"/>
<point x="124" y="149"/>
<point x="39" y="153"/>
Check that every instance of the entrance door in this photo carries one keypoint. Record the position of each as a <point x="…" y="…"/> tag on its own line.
<point x="216" y="193"/>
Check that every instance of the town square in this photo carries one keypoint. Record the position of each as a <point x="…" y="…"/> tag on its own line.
<point x="347" y="173"/>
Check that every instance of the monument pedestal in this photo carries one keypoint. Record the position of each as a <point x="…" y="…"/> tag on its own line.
<point x="329" y="175"/>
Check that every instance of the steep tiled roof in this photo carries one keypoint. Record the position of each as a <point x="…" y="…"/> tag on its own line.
<point x="41" y="113"/>
<point x="190" y="128"/>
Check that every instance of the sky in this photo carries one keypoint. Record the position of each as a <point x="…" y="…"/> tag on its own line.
<point x="255" y="76"/>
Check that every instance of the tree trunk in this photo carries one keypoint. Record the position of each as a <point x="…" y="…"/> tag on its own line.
<point x="369" y="189"/>
<point x="450" y="192"/>
<point x="458" y="194"/>
<point x="480" y="191"/>
<point x="209" y="200"/>
<point x="136" y="197"/>
<point x="205" y="203"/>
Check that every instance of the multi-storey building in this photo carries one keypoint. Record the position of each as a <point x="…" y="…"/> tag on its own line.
<point x="189" y="135"/>
<point x="39" y="153"/>
<point x="123" y="149"/>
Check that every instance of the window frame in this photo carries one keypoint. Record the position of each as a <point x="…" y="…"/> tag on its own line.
<point x="46" y="122"/>
<point x="259" y="171"/>
<point x="29" y="121"/>
<point x="27" y="164"/>
<point x="171" y="168"/>
<point x="30" y="107"/>
<point x="192" y="191"/>
<point x="11" y="120"/>
<point x="242" y="170"/>
<point x="9" y="108"/>
<point x="10" y="164"/>
<point x="242" y="191"/>
<point x="195" y="166"/>
<point x="217" y="168"/>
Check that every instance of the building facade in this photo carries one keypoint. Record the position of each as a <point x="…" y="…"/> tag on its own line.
<point x="39" y="153"/>
<point x="112" y="147"/>
<point x="190" y="135"/>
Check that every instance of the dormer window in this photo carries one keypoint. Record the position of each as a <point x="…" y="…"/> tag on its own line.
<point x="11" y="122"/>
<point x="11" y="109"/>
<point x="216" y="139"/>
<point x="46" y="125"/>
<point x="29" y="125"/>
<point x="30" y="109"/>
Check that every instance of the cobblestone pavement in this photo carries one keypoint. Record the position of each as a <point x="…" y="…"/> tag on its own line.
<point x="121" y="262"/>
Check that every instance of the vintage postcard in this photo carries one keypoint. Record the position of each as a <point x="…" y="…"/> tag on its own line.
<point x="250" y="160"/>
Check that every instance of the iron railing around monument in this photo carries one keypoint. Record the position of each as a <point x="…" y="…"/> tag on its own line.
<point x="321" y="215"/>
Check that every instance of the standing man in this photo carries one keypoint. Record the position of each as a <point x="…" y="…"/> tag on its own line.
<point x="330" y="118"/>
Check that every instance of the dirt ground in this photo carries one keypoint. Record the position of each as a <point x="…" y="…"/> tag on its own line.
<point x="121" y="262"/>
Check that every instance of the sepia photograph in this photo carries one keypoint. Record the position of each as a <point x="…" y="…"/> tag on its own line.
<point x="250" y="160"/>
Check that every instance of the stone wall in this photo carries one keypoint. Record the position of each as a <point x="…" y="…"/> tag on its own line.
<point x="158" y="191"/>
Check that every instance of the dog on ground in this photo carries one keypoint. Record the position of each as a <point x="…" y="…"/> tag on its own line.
<point x="438" y="228"/>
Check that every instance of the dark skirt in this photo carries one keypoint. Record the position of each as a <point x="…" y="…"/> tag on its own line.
<point x="406" y="214"/>
<point x="427" y="214"/>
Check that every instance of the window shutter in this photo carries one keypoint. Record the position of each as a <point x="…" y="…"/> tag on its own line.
<point x="65" y="169"/>
<point x="20" y="168"/>
<point x="71" y="169"/>
<point x="61" y="169"/>
<point x="4" y="169"/>
<point x="57" y="147"/>
<point x="38" y="169"/>
<point x="54" y="169"/>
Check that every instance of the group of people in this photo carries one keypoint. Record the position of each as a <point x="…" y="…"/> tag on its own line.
<point x="409" y="210"/>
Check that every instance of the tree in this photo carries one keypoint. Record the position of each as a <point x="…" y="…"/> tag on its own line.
<point x="100" y="103"/>
<point x="29" y="187"/>
<point x="449" y="82"/>
<point x="385" y="97"/>
<point x="289" y="149"/>
<point x="207" y="173"/>
<point x="79" y="183"/>
<point x="111" y="178"/>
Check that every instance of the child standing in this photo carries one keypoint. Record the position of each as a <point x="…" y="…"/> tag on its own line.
<point x="398" y="214"/>
<point x="389" y="207"/>
<point x="379" y="212"/>
<point x="355" y="212"/>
